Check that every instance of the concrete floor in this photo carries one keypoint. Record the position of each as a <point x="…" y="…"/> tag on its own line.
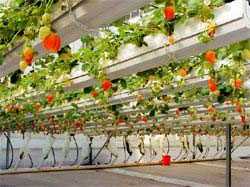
<point x="195" y="175"/>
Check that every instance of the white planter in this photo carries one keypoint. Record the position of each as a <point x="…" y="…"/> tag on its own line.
<point x="247" y="84"/>
<point x="77" y="72"/>
<point x="127" y="51"/>
<point x="221" y="63"/>
<point x="156" y="40"/>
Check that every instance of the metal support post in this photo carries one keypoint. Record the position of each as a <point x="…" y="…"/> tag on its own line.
<point x="90" y="151"/>
<point x="194" y="147"/>
<point x="228" y="155"/>
<point x="7" y="152"/>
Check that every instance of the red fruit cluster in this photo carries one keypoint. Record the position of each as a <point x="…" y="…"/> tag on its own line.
<point x="50" y="98"/>
<point x="243" y="119"/>
<point x="169" y="13"/>
<point x="120" y="121"/>
<point x="94" y="94"/>
<point x="237" y="83"/>
<point x="106" y="85"/>
<point x="52" y="43"/>
<point x="144" y="119"/>
<point x="211" y="109"/>
<point x="238" y="107"/>
<point x="210" y="57"/>
<point x="212" y="85"/>
<point x="177" y="112"/>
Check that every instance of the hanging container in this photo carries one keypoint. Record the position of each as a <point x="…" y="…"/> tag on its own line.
<point x="166" y="160"/>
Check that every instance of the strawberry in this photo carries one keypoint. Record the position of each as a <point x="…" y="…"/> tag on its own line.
<point x="37" y="106"/>
<point x="50" y="98"/>
<point x="23" y="65"/>
<point x="237" y="83"/>
<point x="210" y="57"/>
<point x="52" y="43"/>
<point x="243" y="119"/>
<point x="144" y="119"/>
<point x="78" y="124"/>
<point x="46" y="19"/>
<point x="120" y="121"/>
<point x="211" y="109"/>
<point x="183" y="72"/>
<point x="169" y="13"/>
<point x="28" y="55"/>
<point x="212" y="85"/>
<point x="44" y="32"/>
<point x="177" y="112"/>
<point x="94" y="94"/>
<point x="211" y="29"/>
<point x="238" y="107"/>
<point x="106" y="85"/>
<point x="246" y="54"/>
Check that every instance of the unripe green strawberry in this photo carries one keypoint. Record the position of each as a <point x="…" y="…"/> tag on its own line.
<point x="246" y="54"/>
<point x="46" y="19"/>
<point x="44" y="32"/>
<point x="29" y="32"/>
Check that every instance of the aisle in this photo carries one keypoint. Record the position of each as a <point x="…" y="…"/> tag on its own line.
<point x="205" y="174"/>
<point x="198" y="174"/>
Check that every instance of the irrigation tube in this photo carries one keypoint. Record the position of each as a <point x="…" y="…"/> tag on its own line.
<point x="77" y="150"/>
<point x="9" y="148"/>
<point x="108" y="139"/>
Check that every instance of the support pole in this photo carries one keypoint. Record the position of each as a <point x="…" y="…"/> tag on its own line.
<point x="90" y="151"/>
<point x="7" y="152"/>
<point x="194" y="147"/>
<point x="228" y="155"/>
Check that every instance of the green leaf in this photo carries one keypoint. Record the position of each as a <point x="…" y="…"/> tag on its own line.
<point x="123" y="83"/>
<point x="88" y="90"/>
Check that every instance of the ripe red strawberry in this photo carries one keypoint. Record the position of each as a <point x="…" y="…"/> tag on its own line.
<point x="212" y="85"/>
<point x="52" y="43"/>
<point x="50" y="98"/>
<point x="238" y="108"/>
<point x="169" y="13"/>
<point x="243" y="119"/>
<point x="144" y="119"/>
<point x="120" y="121"/>
<point x="211" y="109"/>
<point x="177" y="112"/>
<point x="78" y="124"/>
<point x="94" y="94"/>
<point x="106" y="85"/>
<point x="210" y="57"/>
<point x="237" y="83"/>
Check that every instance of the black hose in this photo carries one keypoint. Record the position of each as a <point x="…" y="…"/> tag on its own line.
<point x="77" y="150"/>
<point x="124" y="149"/>
<point x="237" y="146"/>
<point x="12" y="151"/>
<point x="31" y="161"/>
<point x="168" y="145"/>
<point x="54" y="157"/>
<point x="101" y="148"/>
<point x="130" y="152"/>
<point x="30" y="158"/>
